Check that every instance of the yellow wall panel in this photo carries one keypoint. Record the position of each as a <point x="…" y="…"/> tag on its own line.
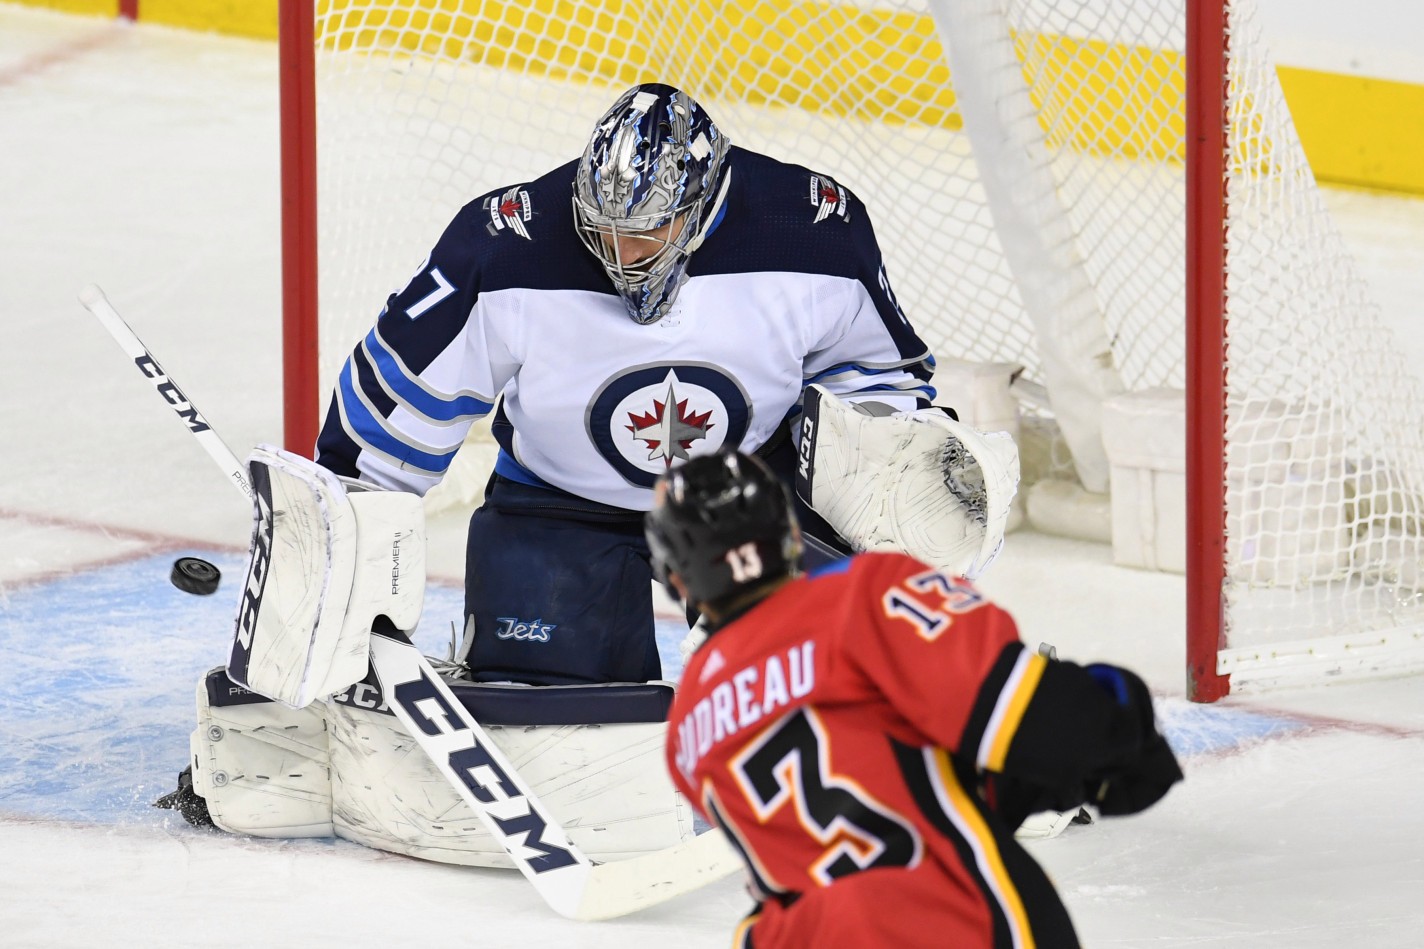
<point x="251" y="18"/>
<point x="1357" y="130"/>
<point x="84" y="7"/>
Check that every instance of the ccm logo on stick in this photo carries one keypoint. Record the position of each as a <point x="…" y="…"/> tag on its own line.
<point x="432" y="714"/>
<point x="171" y="393"/>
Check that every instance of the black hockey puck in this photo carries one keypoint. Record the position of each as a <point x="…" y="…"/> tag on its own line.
<point x="192" y="575"/>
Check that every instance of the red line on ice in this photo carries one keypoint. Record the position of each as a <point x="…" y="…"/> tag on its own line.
<point x="72" y="49"/>
<point x="153" y="541"/>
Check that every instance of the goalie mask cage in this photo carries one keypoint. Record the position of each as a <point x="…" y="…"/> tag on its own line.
<point x="1110" y="194"/>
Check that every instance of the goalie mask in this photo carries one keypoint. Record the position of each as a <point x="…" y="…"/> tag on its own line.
<point x="723" y="523"/>
<point x="648" y="190"/>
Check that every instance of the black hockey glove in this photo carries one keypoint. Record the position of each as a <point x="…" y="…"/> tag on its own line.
<point x="1136" y="781"/>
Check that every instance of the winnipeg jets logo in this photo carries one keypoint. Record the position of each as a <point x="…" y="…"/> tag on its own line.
<point x="646" y="418"/>
<point x="670" y="429"/>
<point x="510" y="210"/>
<point x="828" y="198"/>
<point x="534" y="631"/>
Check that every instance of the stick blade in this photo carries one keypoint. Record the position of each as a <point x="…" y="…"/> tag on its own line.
<point x="627" y="886"/>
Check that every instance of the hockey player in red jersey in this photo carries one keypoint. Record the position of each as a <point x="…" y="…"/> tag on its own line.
<point x="869" y="734"/>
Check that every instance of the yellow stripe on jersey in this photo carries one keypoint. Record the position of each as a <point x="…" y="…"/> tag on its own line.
<point x="762" y="880"/>
<point x="1009" y="710"/>
<point x="742" y="937"/>
<point x="960" y="808"/>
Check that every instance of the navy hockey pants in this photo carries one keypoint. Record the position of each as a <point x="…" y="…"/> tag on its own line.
<point x="559" y="589"/>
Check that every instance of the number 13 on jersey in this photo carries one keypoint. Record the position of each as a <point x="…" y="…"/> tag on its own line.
<point x="929" y="601"/>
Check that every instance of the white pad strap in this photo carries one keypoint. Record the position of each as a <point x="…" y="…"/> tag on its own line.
<point x="322" y="567"/>
<point x="917" y="482"/>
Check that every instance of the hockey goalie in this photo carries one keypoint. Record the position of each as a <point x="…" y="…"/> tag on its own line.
<point x="566" y="309"/>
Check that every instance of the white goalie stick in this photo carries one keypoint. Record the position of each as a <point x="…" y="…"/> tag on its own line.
<point x="95" y="302"/>
<point x="572" y="884"/>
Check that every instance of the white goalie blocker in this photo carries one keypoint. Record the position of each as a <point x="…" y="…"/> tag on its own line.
<point x="919" y="482"/>
<point x="323" y="564"/>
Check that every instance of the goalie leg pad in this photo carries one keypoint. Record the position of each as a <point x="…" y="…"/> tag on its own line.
<point x="607" y="784"/>
<point x="920" y="482"/>
<point x="346" y="767"/>
<point x="262" y="768"/>
<point x="321" y="567"/>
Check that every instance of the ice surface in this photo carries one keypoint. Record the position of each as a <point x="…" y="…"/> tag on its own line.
<point x="145" y="160"/>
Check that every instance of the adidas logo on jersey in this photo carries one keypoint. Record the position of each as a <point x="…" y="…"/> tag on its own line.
<point x="714" y="664"/>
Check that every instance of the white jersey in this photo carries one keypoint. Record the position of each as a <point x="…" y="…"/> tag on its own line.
<point x="787" y="289"/>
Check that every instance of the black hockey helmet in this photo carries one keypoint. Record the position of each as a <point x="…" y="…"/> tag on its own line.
<point x="724" y="524"/>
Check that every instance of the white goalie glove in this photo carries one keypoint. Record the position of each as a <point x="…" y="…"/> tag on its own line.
<point x="918" y="482"/>
<point x="323" y="565"/>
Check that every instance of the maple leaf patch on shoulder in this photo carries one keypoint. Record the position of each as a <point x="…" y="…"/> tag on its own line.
<point x="828" y="198"/>
<point x="510" y="211"/>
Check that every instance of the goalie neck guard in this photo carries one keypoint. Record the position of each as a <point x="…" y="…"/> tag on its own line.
<point x="723" y="523"/>
<point x="655" y="168"/>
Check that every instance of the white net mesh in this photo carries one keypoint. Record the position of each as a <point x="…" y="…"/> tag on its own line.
<point x="425" y="104"/>
<point x="1325" y="452"/>
<point x="406" y="139"/>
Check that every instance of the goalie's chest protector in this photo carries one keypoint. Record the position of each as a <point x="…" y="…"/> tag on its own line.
<point x="601" y="405"/>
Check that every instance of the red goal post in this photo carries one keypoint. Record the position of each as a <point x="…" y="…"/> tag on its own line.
<point x="1205" y="302"/>
<point x="301" y="409"/>
<point x="1111" y="196"/>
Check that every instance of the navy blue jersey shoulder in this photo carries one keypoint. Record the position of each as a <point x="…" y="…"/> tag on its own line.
<point x="785" y="217"/>
<point x="518" y="236"/>
<point x="523" y="236"/>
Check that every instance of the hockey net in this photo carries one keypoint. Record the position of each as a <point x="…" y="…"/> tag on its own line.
<point x="1025" y="163"/>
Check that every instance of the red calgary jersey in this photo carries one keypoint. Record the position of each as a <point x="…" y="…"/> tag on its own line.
<point x="837" y="731"/>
